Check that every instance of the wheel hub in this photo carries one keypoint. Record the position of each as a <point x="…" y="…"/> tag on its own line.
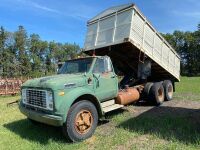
<point x="160" y="94"/>
<point x="83" y="121"/>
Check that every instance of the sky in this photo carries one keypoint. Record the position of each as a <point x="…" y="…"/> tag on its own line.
<point x="65" y="20"/>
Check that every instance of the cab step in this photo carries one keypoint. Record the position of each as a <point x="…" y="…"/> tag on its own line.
<point x="110" y="105"/>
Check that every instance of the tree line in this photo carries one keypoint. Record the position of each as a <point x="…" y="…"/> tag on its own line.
<point x="187" y="44"/>
<point x="27" y="55"/>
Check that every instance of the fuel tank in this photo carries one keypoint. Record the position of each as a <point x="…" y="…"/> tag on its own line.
<point x="127" y="96"/>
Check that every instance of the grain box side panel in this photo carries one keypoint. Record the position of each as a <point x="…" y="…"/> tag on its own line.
<point x="146" y="39"/>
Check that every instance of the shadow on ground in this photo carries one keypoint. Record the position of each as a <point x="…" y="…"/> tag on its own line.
<point x="40" y="133"/>
<point x="169" y="123"/>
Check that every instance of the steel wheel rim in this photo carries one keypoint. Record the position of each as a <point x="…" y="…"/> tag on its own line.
<point x="160" y="94"/>
<point x="83" y="121"/>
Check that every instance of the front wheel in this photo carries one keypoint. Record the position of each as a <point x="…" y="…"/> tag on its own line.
<point x="81" y="121"/>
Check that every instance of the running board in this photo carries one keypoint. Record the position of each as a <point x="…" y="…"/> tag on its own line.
<point x="110" y="105"/>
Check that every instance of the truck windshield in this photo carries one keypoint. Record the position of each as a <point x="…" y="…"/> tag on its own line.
<point x="76" y="66"/>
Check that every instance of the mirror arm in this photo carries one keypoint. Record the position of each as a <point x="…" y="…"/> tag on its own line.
<point x="97" y="78"/>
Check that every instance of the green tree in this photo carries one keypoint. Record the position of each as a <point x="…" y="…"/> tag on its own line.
<point x="43" y="52"/>
<point x="187" y="44"/>
<point x="52" y="60"/>
<point x="22" y="51"/>
<point x="2" y="48"/>
<point x="23" y="55"/>
<point x="34" y="47"/>
<point x="7" y="56"/>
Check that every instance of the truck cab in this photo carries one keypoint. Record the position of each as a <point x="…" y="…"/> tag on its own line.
<point x="74" y="97"/>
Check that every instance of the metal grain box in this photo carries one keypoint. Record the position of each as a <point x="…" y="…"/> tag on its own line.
<point x="126" y="24"/>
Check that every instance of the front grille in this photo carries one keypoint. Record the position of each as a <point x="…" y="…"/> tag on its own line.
<point x="37" y="98"/>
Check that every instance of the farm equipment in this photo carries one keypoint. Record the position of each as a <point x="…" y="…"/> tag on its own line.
<point x="10" y="86"/>
<point x="121" y="44"/>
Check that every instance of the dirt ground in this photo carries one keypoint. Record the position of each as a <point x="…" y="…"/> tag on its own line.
<point x="173" y="107"/>
<point x="176" y="106"/>
<point x="176" y="120"/>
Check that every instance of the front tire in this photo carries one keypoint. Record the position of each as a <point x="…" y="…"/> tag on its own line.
<point x="81" y="121"/>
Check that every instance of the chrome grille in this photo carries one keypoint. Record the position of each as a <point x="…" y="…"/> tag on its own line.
<point x="36" y="98"/>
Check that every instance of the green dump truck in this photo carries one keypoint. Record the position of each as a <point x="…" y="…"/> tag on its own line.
<point x="128" y="61"/>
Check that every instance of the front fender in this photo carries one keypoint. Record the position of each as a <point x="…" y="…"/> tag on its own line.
<point x="63" y="103"/>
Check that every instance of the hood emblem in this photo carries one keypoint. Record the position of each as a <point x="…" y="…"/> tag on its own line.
<point x="45" y="79"/>
<point x="69" y="85"/>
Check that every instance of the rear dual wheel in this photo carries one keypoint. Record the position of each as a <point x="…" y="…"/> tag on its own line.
<point x="159" y="91"/>
<point x="156" y="93"/>
<point x="168" y="88"/>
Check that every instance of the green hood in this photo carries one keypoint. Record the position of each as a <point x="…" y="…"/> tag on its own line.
<point x="57" y="82"/>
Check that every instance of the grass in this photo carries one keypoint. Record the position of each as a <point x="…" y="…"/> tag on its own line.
<point x="188" y="88"/>
<point x="155" y="128"/>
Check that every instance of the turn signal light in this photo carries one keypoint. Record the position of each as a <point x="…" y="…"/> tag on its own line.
<point x="61" y="93"/>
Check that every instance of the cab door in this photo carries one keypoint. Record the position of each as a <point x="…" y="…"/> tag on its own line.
<point x="106" y="82"/>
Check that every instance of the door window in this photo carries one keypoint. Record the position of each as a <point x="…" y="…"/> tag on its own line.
<point x="102" y="65"/>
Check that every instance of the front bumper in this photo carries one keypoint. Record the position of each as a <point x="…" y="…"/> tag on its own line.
<point x="42" y="117"/>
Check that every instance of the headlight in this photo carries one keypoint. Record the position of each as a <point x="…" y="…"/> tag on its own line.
<point x="24" y="95"/>
<point x="50" y="99"/>
<point x="50" y="96"/>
